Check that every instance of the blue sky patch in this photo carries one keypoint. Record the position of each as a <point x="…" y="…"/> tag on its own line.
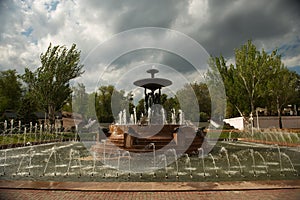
<point x="27" y="32"/>
<point x="51" y="6"/>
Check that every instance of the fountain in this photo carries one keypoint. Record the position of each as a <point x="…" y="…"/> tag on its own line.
<point x="214" y="163"/>
<point x="223" y="149"/>
<point x="152" y="129"/>
<point x="140" y="151"/>
<point x="202" y="158"/>
<point x="70" y="161"/>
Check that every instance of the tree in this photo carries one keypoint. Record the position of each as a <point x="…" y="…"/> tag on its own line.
<point x="10" y="90"/>
<point x="256" y="80"/>
<point x="246" y="81"/>
<point x="49" y="84"/>
<point x="80" y="100"/>
<point x="109" y="102"/>
<point x="203" y="97"/>
<point x="232" y="84"/>
<point x="169" y="105"/>
<point x="252" y="69"/>
<point x="281" y="87"/>
<point x="27" y="108"/>
<point x="188" y="104"/>
<point x="140" y="108"/>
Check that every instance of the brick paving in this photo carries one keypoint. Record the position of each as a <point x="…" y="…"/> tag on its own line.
<point x="29" y="194"/>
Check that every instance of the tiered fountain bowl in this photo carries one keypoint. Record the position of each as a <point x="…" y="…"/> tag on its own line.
<point x="137" y="136"/>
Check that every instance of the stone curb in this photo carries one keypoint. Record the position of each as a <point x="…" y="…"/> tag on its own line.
<point x="151" y="186"/>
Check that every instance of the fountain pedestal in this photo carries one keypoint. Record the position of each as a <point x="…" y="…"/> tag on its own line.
<point x="153" y="128"/>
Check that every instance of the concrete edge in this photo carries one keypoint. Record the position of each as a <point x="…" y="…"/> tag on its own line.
<point x="151" y="186"/>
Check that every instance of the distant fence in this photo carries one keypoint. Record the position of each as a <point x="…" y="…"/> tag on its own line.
<point x="273" y="122"/>
<point x="292" y="122"/>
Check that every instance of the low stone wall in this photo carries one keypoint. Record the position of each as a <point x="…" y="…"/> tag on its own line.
<point x="290" y="122"/>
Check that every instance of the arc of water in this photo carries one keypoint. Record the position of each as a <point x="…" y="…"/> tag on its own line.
<point x="175" y="158"/>
<point x="53" y="151"/>
<point x="149" y="115"/>
<point x="202" y="156"/>
<point x="291" y="163"/>
<point x="214" y="163"/>
<point x="72" y="156"/>
<point x="134" y="115"/>
<point x="271" y="137"/>
<point x="289" y="137"/>
<point x="239" y="163"/>
<point x="229" y="136"/>
<point x="11" y="125"/>
<point x="31" y="155"/>
<point x="280" y="159"/>
<point x="79" y="161"/>
<point x="4" y="164"/>
<point x="297" y="137"/>
<point x="188" y="162"/>
<point x="264" y="161"/>
<point x="253" y="161"/>
<point x="70" y="160"/>
<point x="154" y="161"/>
<point x="173" y="116"/>
<point x="119" y="157"/>
<point x="30" y="127"/>
<point x="19" y="127"/>
<point x="223" y="149"/>
<point x="104" y="153"/>
<point x="164" y="157"/>
<point x="5" y="126"/>
<point x="25" y="129"/>
<point x="129" y="159"/>
<point x="94" y="163"/>
<point x="21" y="162"/>
<point x="124" y="117"/>
<point x="132" y="119"/>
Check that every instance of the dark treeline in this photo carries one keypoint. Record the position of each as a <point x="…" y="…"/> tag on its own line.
<point x="257" y="81"/>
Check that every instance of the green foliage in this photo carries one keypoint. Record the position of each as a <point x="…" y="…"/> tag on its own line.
<point x="80" y="100"/>
<point x="169" y="104"/>
<point x="204" y="99"/>
<point x="140" y="108"/>
<point x="107" y="96"/>
<point x="187" y="102"/>
<point x="27" y="108"/>
<point x="10" y="90"/>
<point x="256" y="80"/>
<point x="49" y="84"/>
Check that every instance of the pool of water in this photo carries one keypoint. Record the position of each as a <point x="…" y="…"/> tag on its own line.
<point x="228" y="161"/>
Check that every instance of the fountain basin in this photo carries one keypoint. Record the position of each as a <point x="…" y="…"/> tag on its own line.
<point x="137" y="138"/>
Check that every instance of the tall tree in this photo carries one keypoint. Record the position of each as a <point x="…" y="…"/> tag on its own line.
<point x="203" y="97"/>
<point x="10" y="90"/>
<point x="252" y="69"/>
<point x="281" y="86"/>
<point x="50" y="82"/>
<point x="232" y="85"/>
<point x="109" y="102"/>
<point x="188" y="104"/>
<point x="80" y="100"/>
<point x="246" y="81"/>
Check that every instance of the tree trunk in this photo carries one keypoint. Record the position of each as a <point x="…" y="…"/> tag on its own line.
<point x="279" y="114"/>
<point x="51" y="115"/>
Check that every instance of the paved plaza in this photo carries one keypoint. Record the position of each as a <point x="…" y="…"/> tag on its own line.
<point x="262" y="190"/>
<point x="286" y="194"/>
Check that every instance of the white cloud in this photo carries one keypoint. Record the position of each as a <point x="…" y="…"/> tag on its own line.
<point x="291" y="61"/>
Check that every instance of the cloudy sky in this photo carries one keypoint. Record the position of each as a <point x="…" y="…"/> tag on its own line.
<point x="28" y="26"/>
